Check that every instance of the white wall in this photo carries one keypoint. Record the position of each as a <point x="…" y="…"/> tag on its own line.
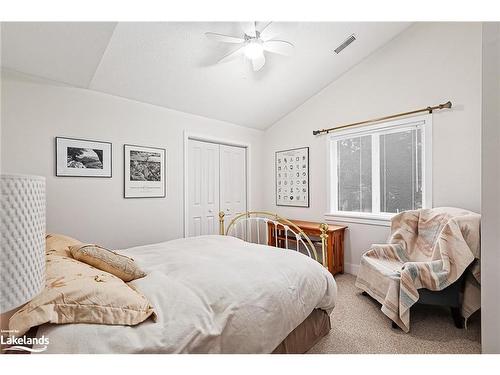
<point x="93" y="209"/>
<point x="490" y="234"/>
<point x="427" y="64"/>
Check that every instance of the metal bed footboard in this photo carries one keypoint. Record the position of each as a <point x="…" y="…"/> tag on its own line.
<point x="247" y="226"/>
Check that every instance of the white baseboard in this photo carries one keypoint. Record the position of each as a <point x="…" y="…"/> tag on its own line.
<point x="351" y="268"/>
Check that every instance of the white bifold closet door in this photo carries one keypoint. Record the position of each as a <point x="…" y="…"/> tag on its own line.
<point x="216" y="181"/>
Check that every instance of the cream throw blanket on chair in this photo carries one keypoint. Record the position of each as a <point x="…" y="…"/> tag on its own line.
<point x="428" y="248"/>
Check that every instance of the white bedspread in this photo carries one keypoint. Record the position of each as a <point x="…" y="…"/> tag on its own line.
<point x="212" y="294"/>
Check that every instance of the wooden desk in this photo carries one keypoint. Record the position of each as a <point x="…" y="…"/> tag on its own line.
<point x="334" y="247"/>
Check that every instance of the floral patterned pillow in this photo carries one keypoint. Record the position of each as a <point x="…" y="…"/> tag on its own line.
<point x="76" y="292"/>
<point x="59" y="244"/>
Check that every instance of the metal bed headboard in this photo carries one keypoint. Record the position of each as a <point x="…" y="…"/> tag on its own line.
<point x="241" y="227"/>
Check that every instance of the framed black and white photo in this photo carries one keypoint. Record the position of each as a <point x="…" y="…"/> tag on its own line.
<point x="145" y="172"/>
<point x="292" y="177"/>
<point x="83" y="158"/>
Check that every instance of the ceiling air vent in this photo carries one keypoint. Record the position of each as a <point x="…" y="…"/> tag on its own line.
<point x="345" y="43"/>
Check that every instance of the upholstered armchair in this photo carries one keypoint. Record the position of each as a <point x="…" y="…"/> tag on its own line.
<point x="432" y="257"/>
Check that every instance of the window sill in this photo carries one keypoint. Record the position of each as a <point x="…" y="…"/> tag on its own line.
<point x="383" y="220"/>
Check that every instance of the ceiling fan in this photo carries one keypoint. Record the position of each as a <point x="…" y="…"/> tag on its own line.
<point x="254" y="42"/>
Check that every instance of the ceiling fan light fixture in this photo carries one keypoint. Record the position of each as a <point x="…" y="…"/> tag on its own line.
<point x="252" y="45"/>
<point x="254" y="49"/>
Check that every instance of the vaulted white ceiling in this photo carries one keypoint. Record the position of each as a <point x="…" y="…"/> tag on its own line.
<point x="172" y="64"/>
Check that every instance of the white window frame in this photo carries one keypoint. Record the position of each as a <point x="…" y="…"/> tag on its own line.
<point x="423" y="122"/>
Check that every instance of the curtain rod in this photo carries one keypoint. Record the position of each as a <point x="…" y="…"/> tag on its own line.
<point x="428" y="109"/>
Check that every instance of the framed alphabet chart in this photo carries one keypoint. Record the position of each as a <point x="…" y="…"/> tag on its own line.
<point x="292" y="177"/>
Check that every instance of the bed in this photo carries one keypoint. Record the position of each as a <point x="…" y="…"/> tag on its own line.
<point x="217" y="294"/>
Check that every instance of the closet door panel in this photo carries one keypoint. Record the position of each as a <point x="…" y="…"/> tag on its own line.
<point x="233" y="181"/>
<point x="212" y="188"/>
<point x="203" y="188"/>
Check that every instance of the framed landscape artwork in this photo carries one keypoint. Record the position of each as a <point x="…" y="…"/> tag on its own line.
<point x="145" y="172"/>
<point x="83" y="158"/>
<point x="292" y="177"/>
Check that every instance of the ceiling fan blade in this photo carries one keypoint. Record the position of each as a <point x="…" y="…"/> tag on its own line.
<point x="281" y="47"/>
<point x="269" y="31"/>
<point x="224" y="38"/>
<point x="249" y="29"/>
<point x="231" y="55"/>
<point x="263" y="26"/>
<point x="258" y="63"/>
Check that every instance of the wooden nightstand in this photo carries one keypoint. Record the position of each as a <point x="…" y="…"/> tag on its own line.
<point x="335" y="242"/>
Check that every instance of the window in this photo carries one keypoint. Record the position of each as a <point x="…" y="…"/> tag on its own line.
<point x="379" y="170"/>
<point x="354" y="171"/>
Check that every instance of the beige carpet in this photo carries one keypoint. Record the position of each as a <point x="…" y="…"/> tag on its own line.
<point x="358" y="326"/>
